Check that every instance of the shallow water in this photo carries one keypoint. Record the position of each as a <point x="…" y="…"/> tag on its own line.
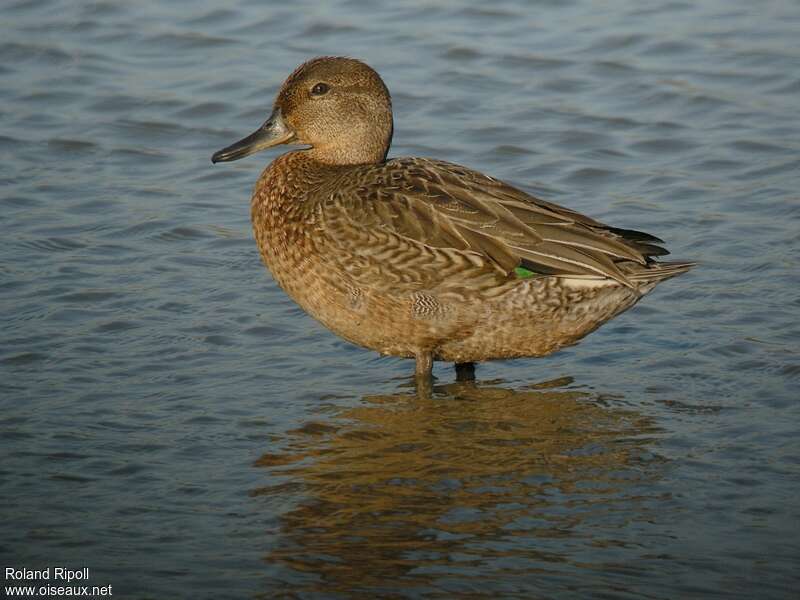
<point x="173" y="422"/>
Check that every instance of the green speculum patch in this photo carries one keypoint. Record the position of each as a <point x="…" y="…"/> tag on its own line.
<point x="524" y="273"/>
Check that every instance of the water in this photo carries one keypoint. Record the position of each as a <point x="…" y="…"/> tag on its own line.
<point x="173" y="422"/>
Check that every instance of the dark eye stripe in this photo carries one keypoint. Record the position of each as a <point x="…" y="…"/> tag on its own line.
<point x="320" y="89"/>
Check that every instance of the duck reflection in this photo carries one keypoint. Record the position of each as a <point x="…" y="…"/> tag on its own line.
<point x="475" y="482"/>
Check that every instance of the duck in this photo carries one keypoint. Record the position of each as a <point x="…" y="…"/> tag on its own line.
<point x="422" y="258"/>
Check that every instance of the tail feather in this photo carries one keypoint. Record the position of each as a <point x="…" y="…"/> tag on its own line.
<point x="656" y="272"/>
<point x="635" y="236"/>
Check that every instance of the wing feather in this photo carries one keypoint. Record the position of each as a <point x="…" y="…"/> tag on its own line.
<point x="442" y="205"/>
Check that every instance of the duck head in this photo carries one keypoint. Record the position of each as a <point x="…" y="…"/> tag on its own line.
<point x="339" y="107"/>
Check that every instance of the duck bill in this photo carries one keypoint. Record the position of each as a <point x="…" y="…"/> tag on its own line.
<point x="272" y="133"/>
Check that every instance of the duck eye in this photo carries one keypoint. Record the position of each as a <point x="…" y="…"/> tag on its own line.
<point x="320" y="89"/>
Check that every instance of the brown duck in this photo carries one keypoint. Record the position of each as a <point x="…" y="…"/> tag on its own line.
<point x="421" y="258"/>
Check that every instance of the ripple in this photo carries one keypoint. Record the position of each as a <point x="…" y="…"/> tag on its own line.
<point x="205" y="109"/>
<point x="186" y="41"/>
<point x="51" y="96"/>
<point x="180" y="234"/>
<point x="565" y="85"/>
<point x="720" y="164"/>
<point x="614" y="68"/>
<point x="68" y="146"/>
<point x="150" y="131"/>
<point x="579" y="139"/>
<point x="487" y="12"/>
<point x="87" y="297"/>
<point x="72" y="478"/>
<point x="325" y="28"/>
<point x="219" y="340"/>
<point x="754" y="147"/>
<point x="616" y="42"/>
<point x="20" y="53"/>
<point x="664" y="145"/>
<point x="535" y="62"/>
<point x="128" y="469"/>
<point x="590" y="175"/>
<point x="508" y="150"/>
<point x="117" y="326"/>
<point x="8" y="142"/>
<point x="790" y="89"/>
<point x="214" y="17"/>
<point x="792" y="371"/>
<point x="175" y="307"/>
<point x="762" y="173"/>
<point x="54" y="244"/>
<point x="140" y="155"/>
<point x="667" y="48"/>
<point x="144" y="228"/>
<point x="118" y="103"/>
<point x="460" y="53"/>
<point x="24" y="358"/>
<point x="20" y="202"/>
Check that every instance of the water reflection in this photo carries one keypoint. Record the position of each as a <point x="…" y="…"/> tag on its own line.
<point x="477" y="482"/>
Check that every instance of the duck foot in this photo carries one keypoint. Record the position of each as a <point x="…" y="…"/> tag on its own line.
<point x="465" y="371"/>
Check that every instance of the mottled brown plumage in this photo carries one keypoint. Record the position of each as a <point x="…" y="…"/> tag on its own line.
<point x="421" y="258"/>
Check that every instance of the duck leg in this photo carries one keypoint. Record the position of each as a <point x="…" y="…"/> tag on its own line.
<point x="424" y="375"/>
<point x="465" y="371"/>
<point x="424" y="365"/>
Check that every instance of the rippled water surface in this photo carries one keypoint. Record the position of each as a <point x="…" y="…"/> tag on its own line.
<point x="173" y="422"/>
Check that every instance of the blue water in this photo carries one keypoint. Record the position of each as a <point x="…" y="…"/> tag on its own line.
<point x="170" y="420"/>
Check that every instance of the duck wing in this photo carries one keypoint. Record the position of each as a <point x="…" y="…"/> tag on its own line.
<point x="446" y="206"/>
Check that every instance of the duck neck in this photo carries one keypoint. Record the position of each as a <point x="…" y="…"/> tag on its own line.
<point x="289" y="177"/>
<point x="362" y="145"/>
<point x="336" y="155"/>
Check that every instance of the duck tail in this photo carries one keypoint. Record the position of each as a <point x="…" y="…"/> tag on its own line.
<point x="658" y="272"/>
